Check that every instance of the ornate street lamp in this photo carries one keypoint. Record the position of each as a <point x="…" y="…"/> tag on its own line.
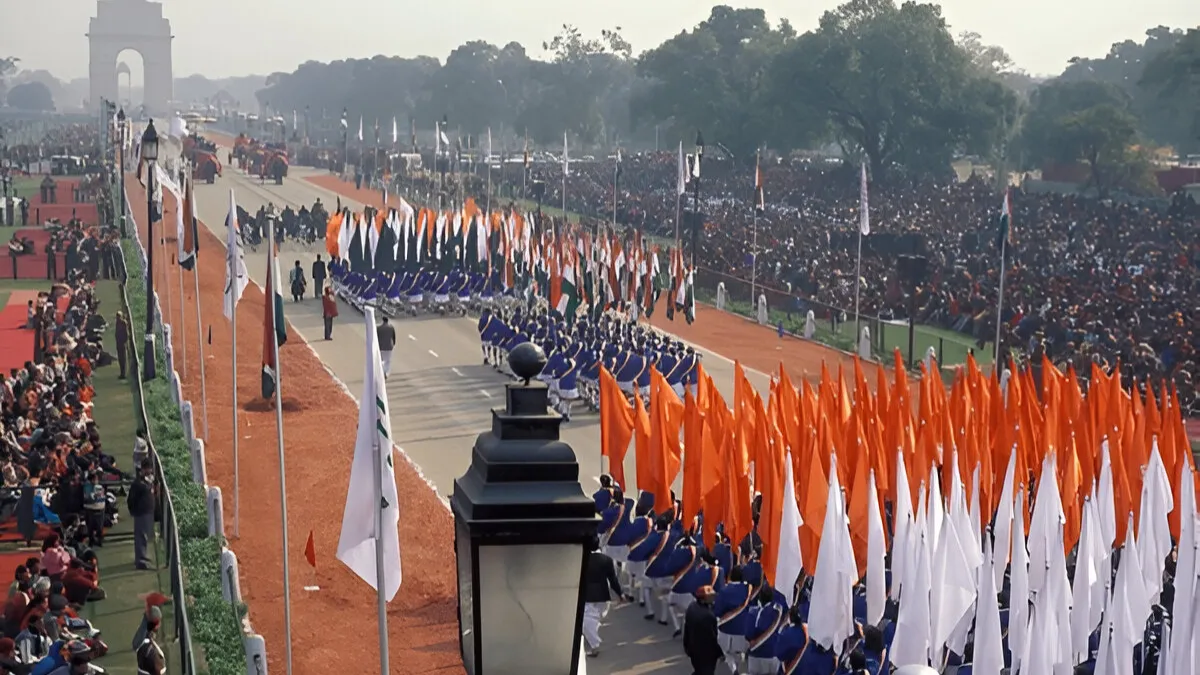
<point x="150" y="157"/>
<point x="522" y="525"/>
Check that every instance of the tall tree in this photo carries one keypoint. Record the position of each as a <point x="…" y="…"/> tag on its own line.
<point x="1172" y="81"/>
<point x="8" y="66"/>
<point x="894" y="85"/>
<point x="31" y="96"/>
<point x="712" y="78"/>
<point x="1085" y="121"/>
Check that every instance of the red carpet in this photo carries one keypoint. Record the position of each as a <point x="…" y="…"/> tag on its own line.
<point x="65" y="207"/>
<point x="16" y="343"/>
<point x="32" y="266"/>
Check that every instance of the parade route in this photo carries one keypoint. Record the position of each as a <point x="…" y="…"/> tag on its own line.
<point x="440" y="395"/>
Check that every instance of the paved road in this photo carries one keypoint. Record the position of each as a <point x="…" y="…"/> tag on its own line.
<point x="440" y="395"/>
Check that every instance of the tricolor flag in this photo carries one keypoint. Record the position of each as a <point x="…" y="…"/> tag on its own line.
<point x="372" y="497"/>
<point x="345" y="122"/>
<point x="864" y="213"/>
<point x="617" y="172"/>
<point x="274" y="329"/>
<point x="236" y="278"/>
<point x="526" y="158"/>
<point x="1005" y="232"/>
<point x="186" y="222"/>
<point x="759" y="197"/>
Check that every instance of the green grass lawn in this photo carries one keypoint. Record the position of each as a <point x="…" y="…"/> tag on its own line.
<point x="119" y="615"/>
<point x="26" y="186"/>
<point x="9" y="285"/>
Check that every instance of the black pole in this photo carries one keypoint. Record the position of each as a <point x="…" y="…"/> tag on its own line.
<point x="148" y="344"/>
<point x="696" y="216"/>
<point x="912" y="322"/>
<point x="121" y="172"/>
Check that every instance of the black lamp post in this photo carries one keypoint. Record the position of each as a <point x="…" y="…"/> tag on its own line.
<point x="522" y="528"/>
<point x="121" y="169"/>
<point x="696" y="196"/>
<point x="150" y="156"/>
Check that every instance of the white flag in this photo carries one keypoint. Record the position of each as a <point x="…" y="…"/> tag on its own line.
<point x="372" y="483"/>
<point x="681" y="188"/>
<point x="864" y="215"/>
<point x="566" y="161"/>
<point x="395" y="131"/>
<point x="360" y="128"/>
<point x="236" y="278"/>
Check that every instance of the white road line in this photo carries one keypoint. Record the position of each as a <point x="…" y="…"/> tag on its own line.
<point x="485" y="392"/>
<point x="433" y="353"/>
<point x="410" y="337"/>
<point x="457" y="372"/>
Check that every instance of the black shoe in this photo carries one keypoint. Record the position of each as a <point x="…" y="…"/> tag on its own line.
<point x="662" y="623"/>
<point x="648" y="617"/>
<point x="677" y="633"/>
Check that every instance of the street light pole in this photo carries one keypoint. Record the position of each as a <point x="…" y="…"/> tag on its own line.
<point x="121" y="171"/>
<point x="150" y="155"/>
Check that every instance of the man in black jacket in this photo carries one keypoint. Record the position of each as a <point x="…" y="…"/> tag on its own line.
<point x="700" y="633"/>
<point x="141" y="507"/>
<point x="601" y="578"/>
<point x="318" y="275"/>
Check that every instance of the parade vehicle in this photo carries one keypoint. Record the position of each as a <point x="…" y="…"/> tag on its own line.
<point x="202" y="154"/>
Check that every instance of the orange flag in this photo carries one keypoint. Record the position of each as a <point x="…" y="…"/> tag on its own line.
<point x="666" y="419"/>
<point x="616" y="426"/>
<point x="310" y="550"/>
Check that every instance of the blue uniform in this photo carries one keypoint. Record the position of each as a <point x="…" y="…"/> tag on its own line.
<point x="762" y="628"/>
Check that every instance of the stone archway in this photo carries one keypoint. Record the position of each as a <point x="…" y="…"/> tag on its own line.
<point x="136" y="25"/>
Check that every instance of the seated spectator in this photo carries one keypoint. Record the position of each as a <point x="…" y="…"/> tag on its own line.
<point x="9" y="663"/>
<point x="82" y="584"/>
<point x="55" y="558"/>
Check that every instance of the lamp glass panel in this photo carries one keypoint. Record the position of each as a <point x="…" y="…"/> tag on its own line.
<point x="466" y="598"/>
<point x="529" y="601"/>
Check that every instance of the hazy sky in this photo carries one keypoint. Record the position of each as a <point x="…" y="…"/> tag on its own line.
<point x="220" y="38"/>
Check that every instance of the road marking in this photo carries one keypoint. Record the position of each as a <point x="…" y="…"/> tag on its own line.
<point x="485" y="392"/>
<point x="312" y="588"/>
<point x="433" y="353"/>
<point x="410" y="337"/>
<point x="457" y="372"/>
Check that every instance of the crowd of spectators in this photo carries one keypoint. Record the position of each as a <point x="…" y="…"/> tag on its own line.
<point x="60" y="486"/>
<point x="1086" y="279"/>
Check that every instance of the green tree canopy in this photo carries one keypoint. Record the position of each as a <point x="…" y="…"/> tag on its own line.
<point x="1084" y="121"/>
<point x="893" y="85"/>
<point x="31" y="96"/>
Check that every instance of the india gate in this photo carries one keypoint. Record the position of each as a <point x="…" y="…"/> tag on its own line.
<point x="137" y="25"/>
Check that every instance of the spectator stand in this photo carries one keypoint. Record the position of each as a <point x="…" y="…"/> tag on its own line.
<point x="118" y="615"/>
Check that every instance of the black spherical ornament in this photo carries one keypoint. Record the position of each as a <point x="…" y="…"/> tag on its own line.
<point x="527" y="361"/>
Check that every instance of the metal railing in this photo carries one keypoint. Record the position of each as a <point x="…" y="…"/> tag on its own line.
<point x="164" y="506"/>
<point x="836" y="326"/>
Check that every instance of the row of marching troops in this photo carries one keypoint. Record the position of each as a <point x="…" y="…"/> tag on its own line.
<point x="409" y="252"/>
<point x="576" y="351"/>
<point x="665" y="565"/>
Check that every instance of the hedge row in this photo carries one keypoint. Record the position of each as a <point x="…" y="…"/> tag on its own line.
<point x="215" y="627"/>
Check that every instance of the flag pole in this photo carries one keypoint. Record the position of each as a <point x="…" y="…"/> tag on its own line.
<point x="287" y="594"/>
<point x="487" y="206"/>
<point x="754" y="258"/>
<point x="233" y="279"/>
<point x="179" y="204"/>
<point x="380" y="600"/>
<point x="1000" y="299"/>
<point x="863" y="215"/>
<point x="200" y="343"/>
